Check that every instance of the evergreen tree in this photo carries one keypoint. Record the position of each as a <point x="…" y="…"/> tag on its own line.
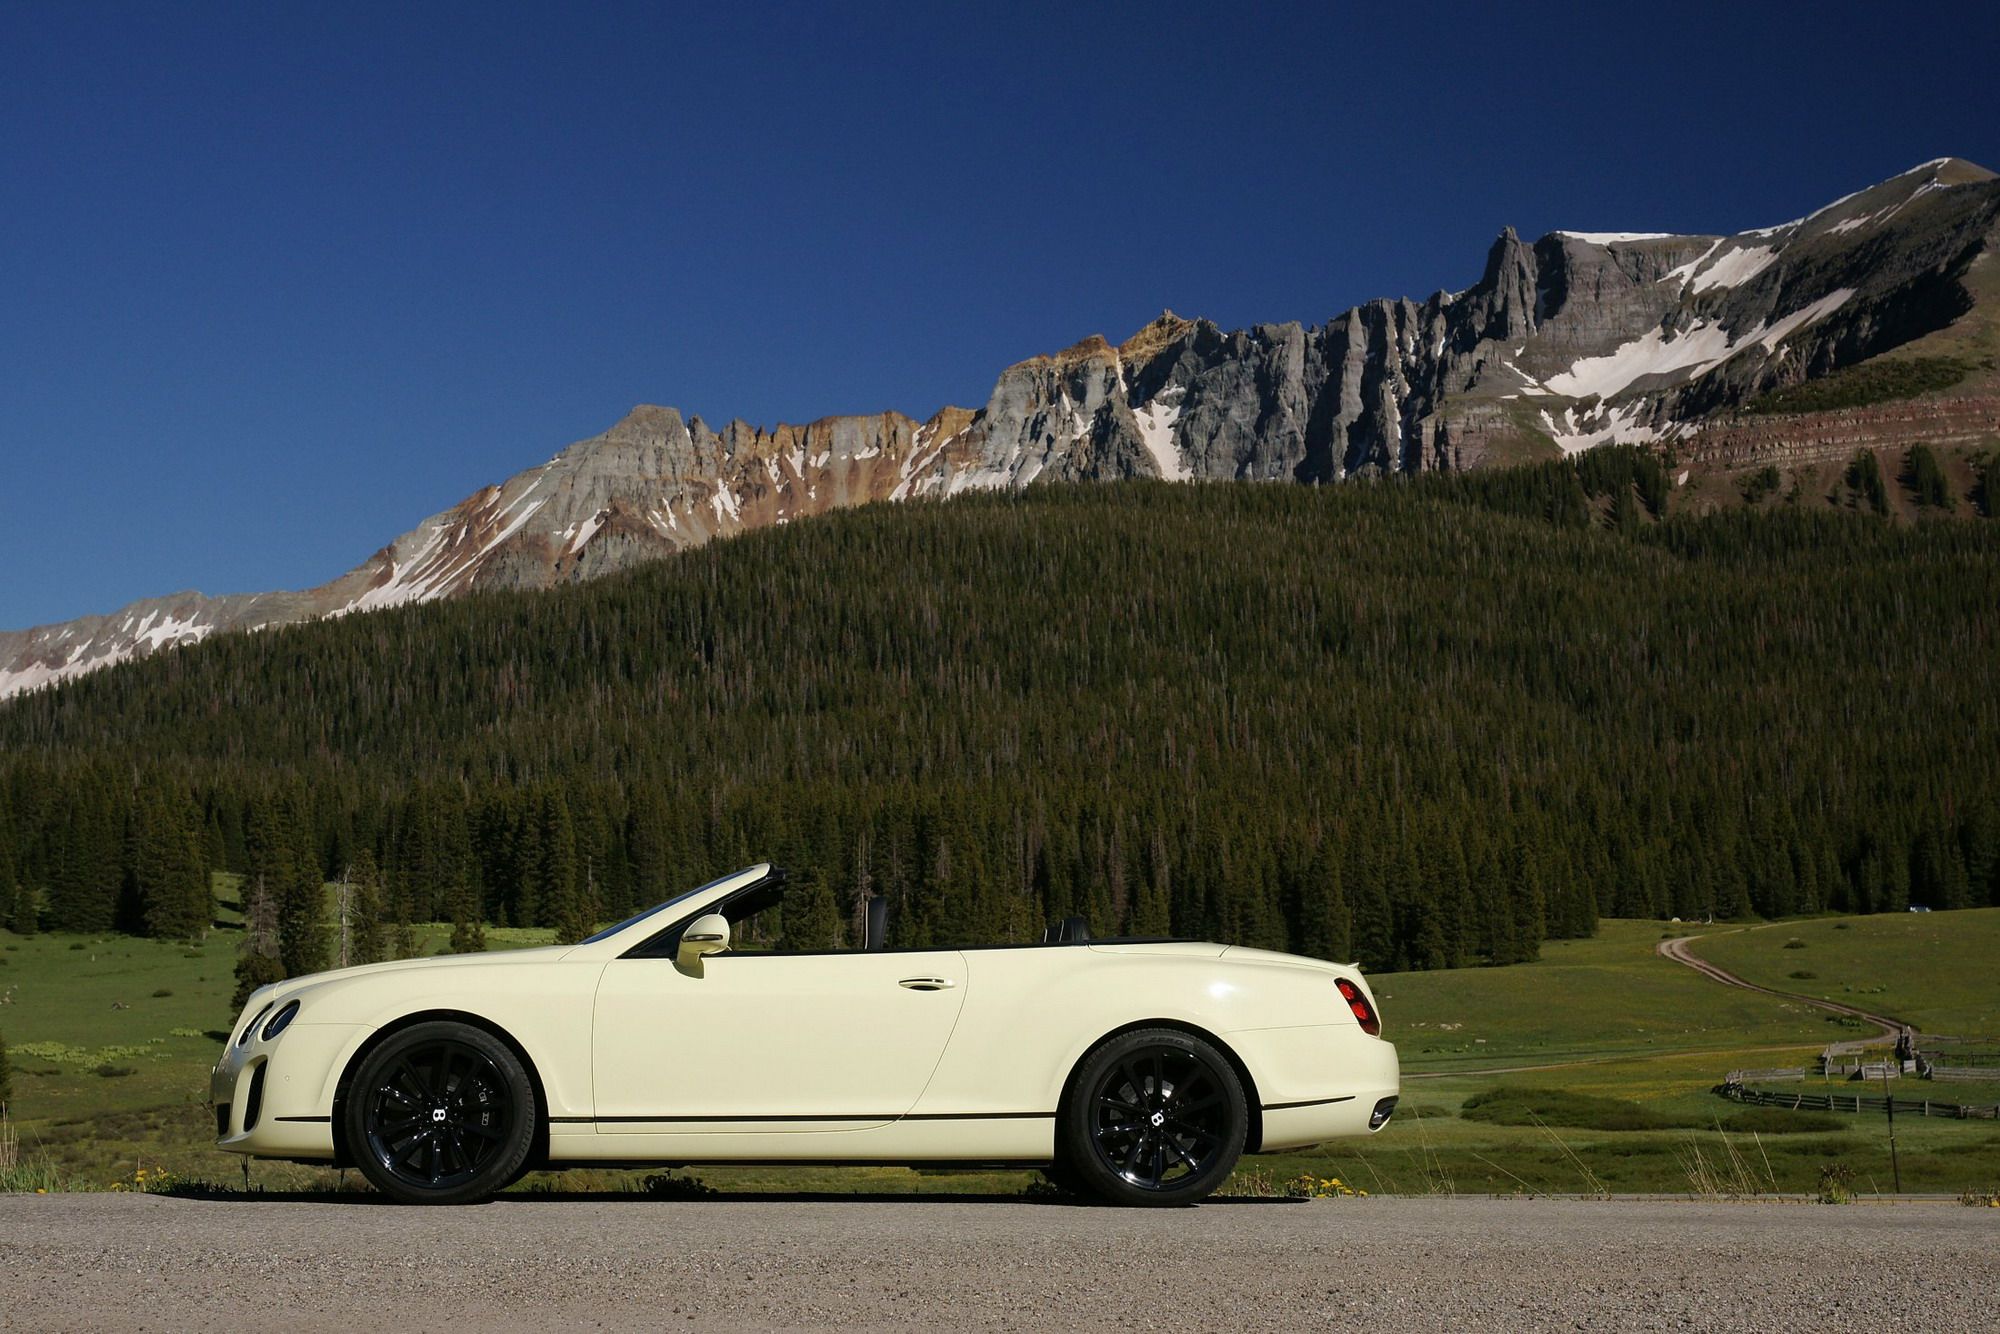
<point x="1152" y="916"/>
<point x="16" y="909"/>
<point x="563" y="903"/>
<point x="1326" y="923"/>
<point x="258" y="962"/>
<point x="367" y="928"/>
<point x="812" y="918"/>
<point x="401" y="941"/>
<point x="1373" y="939"/>
<point x="84" y="883"/>
<point x="168" y="869"/>
<point x="468" y="932"/>
<point x="302" y="935"/>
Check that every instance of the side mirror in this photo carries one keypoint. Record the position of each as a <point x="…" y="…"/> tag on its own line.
<point x="705" y="935"/>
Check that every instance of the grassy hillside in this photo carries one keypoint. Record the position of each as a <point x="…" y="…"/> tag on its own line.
<point x="1583" y="999"/>
<point x="1934" y="970"/>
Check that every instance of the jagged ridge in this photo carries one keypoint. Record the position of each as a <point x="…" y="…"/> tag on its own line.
<point x="1575" y="340"/>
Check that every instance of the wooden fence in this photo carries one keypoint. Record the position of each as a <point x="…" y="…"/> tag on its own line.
<point x="1768" y="1076"/>
<point x="1962" y="1074"/>
<point x="1857" y="1103"/>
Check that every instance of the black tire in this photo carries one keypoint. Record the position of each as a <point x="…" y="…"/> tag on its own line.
<point x="1155" y="1117"/>
<point x="440" y="1113"/>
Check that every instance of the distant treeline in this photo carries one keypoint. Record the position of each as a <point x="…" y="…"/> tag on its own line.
<point x="1420" y="722"/>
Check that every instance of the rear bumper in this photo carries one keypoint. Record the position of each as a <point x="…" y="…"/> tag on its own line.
<point x="275" y="1099"/>
<point x="1318" y="1082"/>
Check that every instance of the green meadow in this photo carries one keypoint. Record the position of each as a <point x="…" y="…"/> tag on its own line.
<point x="1588" y="1070"/>
<point x="1935" y="970"/>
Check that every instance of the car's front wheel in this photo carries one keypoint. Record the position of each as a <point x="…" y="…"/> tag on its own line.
<point x="1155" y="1117"/>
<point x="440" y="1113"/>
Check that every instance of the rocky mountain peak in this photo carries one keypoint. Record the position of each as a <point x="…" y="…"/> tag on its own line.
<point x="1575" y="340"/>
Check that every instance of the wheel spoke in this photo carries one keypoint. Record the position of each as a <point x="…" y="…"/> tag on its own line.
<point x="410" y="1076"/>
<point x="484" y="1132"/>
<point x="404" y="1131"/>
<point x="1188" y="1094"/>
<point x="1194" y="1132"/>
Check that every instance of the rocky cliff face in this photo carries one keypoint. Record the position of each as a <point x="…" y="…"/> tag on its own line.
<point x="1575" y="340"/>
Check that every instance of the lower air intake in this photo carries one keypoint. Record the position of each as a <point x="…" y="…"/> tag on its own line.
<point x="254" y="1104"/>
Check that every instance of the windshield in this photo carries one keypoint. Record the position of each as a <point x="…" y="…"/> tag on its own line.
<point x="637" y="918"/>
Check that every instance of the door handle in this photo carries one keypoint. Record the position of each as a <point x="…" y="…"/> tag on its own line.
<point x="927" y="983"/>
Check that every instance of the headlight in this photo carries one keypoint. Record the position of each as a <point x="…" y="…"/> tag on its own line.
<point x="251" y="1027"/>
<point x="281" y="1020"/>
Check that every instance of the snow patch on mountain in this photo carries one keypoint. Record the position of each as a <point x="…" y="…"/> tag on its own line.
<point x="1688" y="354"/>
<point x="1156" y="430"/>
<point x="1736" y="268"/>
<point x="1616" y="238"/>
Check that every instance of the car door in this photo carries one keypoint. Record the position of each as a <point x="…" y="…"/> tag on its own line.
<point x="770" y="1041"/>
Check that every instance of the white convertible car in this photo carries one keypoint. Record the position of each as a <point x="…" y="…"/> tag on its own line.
<point x="1134" y="1070"/>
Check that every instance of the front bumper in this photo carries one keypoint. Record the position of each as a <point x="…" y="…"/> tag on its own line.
<point x="275" y="1099"/>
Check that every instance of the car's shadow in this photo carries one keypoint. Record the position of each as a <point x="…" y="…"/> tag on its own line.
<point x="516" y="1199"/>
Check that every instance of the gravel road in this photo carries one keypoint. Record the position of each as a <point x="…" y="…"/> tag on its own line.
<point x="143" y="1262"/>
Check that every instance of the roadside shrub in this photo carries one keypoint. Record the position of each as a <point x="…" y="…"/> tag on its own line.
<point x="673" y="1186"/>
<point x="1561" y="1108"/>
<point x="1836" y="1184"/>
<point x="1779" y="1121"/>
<point x="163" y="993"/>
<point x="110" y="1071"/>
<point x="1795" y="944"/>
<point x="1803" y="974"/>
<point x="1306" y="1186"/>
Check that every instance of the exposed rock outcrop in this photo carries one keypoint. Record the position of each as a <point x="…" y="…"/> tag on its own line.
<point x="1575" y="340"/>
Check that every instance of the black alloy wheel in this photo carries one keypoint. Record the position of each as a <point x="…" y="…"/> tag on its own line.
<point x="1156" y="1117"/>
<point x="440" y="1113"/>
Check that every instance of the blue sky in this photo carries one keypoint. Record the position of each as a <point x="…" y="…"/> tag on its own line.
<point x="278" y="281"/>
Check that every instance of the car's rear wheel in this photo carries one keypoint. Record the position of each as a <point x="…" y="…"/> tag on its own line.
<point x="440" y="1113"/>
<point x="1155" y="1117"/>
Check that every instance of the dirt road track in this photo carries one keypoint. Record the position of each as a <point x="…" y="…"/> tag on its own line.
<point x="141" y="1262"/>
<point x="1678" y="949"/>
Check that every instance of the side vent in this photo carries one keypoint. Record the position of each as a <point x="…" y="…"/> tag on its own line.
<point x="254" y="1103"/>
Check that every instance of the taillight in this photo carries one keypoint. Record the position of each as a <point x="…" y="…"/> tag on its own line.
<point x="1364" y="1013"/>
